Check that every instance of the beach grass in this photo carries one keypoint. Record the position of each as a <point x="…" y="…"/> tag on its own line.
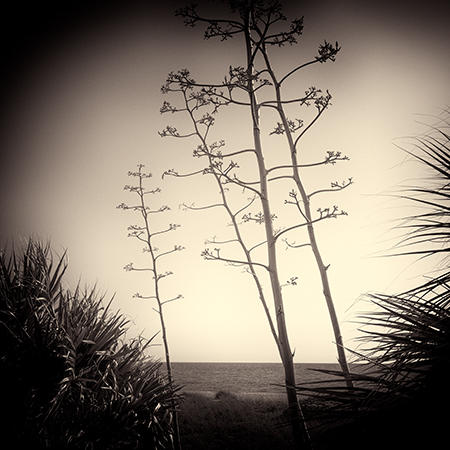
<point x="257" y="421"/>
<point x="224" y="420"/>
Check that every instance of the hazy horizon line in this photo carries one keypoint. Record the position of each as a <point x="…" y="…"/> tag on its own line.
<point x="248" y="362"/>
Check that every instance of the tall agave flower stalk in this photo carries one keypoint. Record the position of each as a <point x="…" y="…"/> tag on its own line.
<point x="145" y="233"/>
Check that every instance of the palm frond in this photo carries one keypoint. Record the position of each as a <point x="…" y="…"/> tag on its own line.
<point x="403" y="359"/>
<point x="427" y="231"/>
<point x="71" y="380"/>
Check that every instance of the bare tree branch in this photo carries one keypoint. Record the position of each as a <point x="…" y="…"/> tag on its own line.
<point x="176" y="248"/>
<point x="335" y="186"/>
<point x="214" y="241"/>
<point x="172" y="226"/>
<point x="129" y="267"/>
<point x="326" y="213"/>
<point x="319" y="113"/>
<point x="331" y="158"/>
<point x="172" y="299"/>
<point x="200" y="208"/>
<point x="173" y="173"/>
<point x="256" y="246"/>
<point x="294" y="245"/>
<point x="251" y="201"/>
<point x="326" y="52"/>
<point x="208" y="255"/>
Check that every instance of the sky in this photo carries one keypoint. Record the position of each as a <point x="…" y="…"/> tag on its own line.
<point x="80" y="108"/>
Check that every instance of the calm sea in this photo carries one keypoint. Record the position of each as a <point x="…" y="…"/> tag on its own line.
<point x="242" y="377"/>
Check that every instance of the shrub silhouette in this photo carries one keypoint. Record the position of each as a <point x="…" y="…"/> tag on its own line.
<point x="67" y="378"/>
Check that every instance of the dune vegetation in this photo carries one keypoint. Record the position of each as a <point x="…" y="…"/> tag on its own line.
<point x="69" y="379"/>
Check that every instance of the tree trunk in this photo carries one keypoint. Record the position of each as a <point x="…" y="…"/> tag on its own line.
<point x="342" y="359"/>
<point x="176" y="431"/>
<point x="176" y="428"/>
<point x="298" y="423"/>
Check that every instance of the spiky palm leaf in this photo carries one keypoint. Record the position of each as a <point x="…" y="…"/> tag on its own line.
<point x="404" y="359"/>
<point x="407" y="337"/>
<point x="428" y="233"/>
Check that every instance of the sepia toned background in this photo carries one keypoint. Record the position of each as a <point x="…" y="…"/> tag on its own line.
<point x="80" y="107"/>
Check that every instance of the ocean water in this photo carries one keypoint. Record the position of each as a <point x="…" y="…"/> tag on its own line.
<point x="243" y="377"/>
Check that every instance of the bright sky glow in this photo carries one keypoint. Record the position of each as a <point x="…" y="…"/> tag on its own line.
<point x="89" y="112"/>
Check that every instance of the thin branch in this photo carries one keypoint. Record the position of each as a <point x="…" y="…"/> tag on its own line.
<point x="236" y="181"/>
<point x="320" y="111"/>
<point x="180" y="136"/>
<point x="214" y="241"/>
<point x="176" y="248"/>
<point x="302" y="100"/>
<point x="326" y="52"/>
<point x="191" y="17"/>
<point x="155" y="211"/>
<point x="228" y="100"/>
<point x="226" y="155"/>
<point x="335" y="186"/>
<point x="256" y="246"/>
<point x="281" y="177"/>
<point x="144" y="297"/>
<point x="138" y="236"/>
<point x="251" y="201"/>
<point x="173" y="173"/>
<point x="331" y="158"/>
<point x="284" y="166"/>
<point x="296" y="69"/>
<point x="210" y="257"/>
<point x="200" y="208"/>
<point x="153" y="191"/>
<point x="249" y="183"/>
<point x="294" y="245"/>
<point x="171" y="227"/>
<point x="322" y="217"/>
<point x="293" y="195"/>
<point x="129" y="267"/>
<point x="171" y="299"/>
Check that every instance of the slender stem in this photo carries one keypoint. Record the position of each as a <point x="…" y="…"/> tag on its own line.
<point x="156" y="278"/>
<point x="296" y="69"/>
<point x="294" y="145"/>
<point x="235" y="261"/>
<point x="298" y="423"/>
<point x="307" y="213"/>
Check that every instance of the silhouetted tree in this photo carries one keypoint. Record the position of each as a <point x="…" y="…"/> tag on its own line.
<point x="257" y="24"/>
<point x="146" y="234"/>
